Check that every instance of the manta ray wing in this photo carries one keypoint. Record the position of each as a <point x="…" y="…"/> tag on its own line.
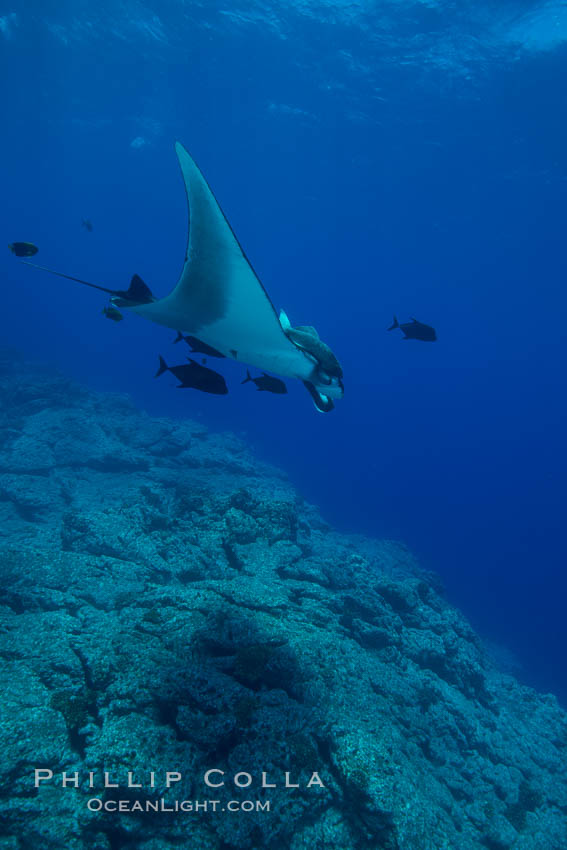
<point x="218" y="297"/>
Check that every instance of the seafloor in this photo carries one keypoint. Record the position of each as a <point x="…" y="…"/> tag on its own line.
<point x="169" y="603"/>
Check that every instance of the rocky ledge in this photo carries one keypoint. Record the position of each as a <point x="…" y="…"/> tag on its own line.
<point x="169" y="604"/>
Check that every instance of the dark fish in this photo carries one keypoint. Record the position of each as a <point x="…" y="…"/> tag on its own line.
<point x="194" y="376"/>
<point x="415" y="330"/>
<point x="87" y="224"/>
<point x="266" y="383"/>
<point x="197" y="346"/>
<point x="113" y="314"/>
<point x="23" y="249"/>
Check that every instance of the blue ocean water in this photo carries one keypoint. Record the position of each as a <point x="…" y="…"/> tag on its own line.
<point x="373" y="158"/>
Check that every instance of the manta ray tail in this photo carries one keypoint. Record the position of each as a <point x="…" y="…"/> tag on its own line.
<point x="163" y="367"/>
<point x="69" y="277"/>
<point x="395" y="325"/>
<point x="137" y="293"/>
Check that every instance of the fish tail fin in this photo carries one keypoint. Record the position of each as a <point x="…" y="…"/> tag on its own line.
<point x="247" y="378"/>
<point x="179" y="337"/>
<point x="163" y="367"/>
<point x="395" y="325"/>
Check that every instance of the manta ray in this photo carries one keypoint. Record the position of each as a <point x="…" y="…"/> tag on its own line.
<point x="221" y="301"/>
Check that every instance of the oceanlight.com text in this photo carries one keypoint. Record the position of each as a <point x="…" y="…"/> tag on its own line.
<point x="95" y="804"/>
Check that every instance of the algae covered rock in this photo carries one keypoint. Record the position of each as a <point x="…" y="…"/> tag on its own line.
<point x="174" y="616"/>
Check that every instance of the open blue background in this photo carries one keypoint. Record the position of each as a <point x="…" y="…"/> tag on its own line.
<point x="406" y="157"/>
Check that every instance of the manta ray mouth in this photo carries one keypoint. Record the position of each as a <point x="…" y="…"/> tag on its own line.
<point x="220" y="299"/>
<point x="221" y="302"/>
<point x="323" y="403"/>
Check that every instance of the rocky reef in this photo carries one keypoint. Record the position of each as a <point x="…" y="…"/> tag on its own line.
<point x="170" y="605"/>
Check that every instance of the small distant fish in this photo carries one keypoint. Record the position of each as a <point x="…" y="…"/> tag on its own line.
<point x="87" y="224"/>
<point x="266" y="383"/>
<point x="194" y="376"/>
<point x="196" y="346"/>
<point x="415" y="330"/>
<point x="23" y="249"/>
<point x="113" y="314"/>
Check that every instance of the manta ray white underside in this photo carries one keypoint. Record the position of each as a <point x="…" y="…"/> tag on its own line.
<point x="220" y="299"/>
